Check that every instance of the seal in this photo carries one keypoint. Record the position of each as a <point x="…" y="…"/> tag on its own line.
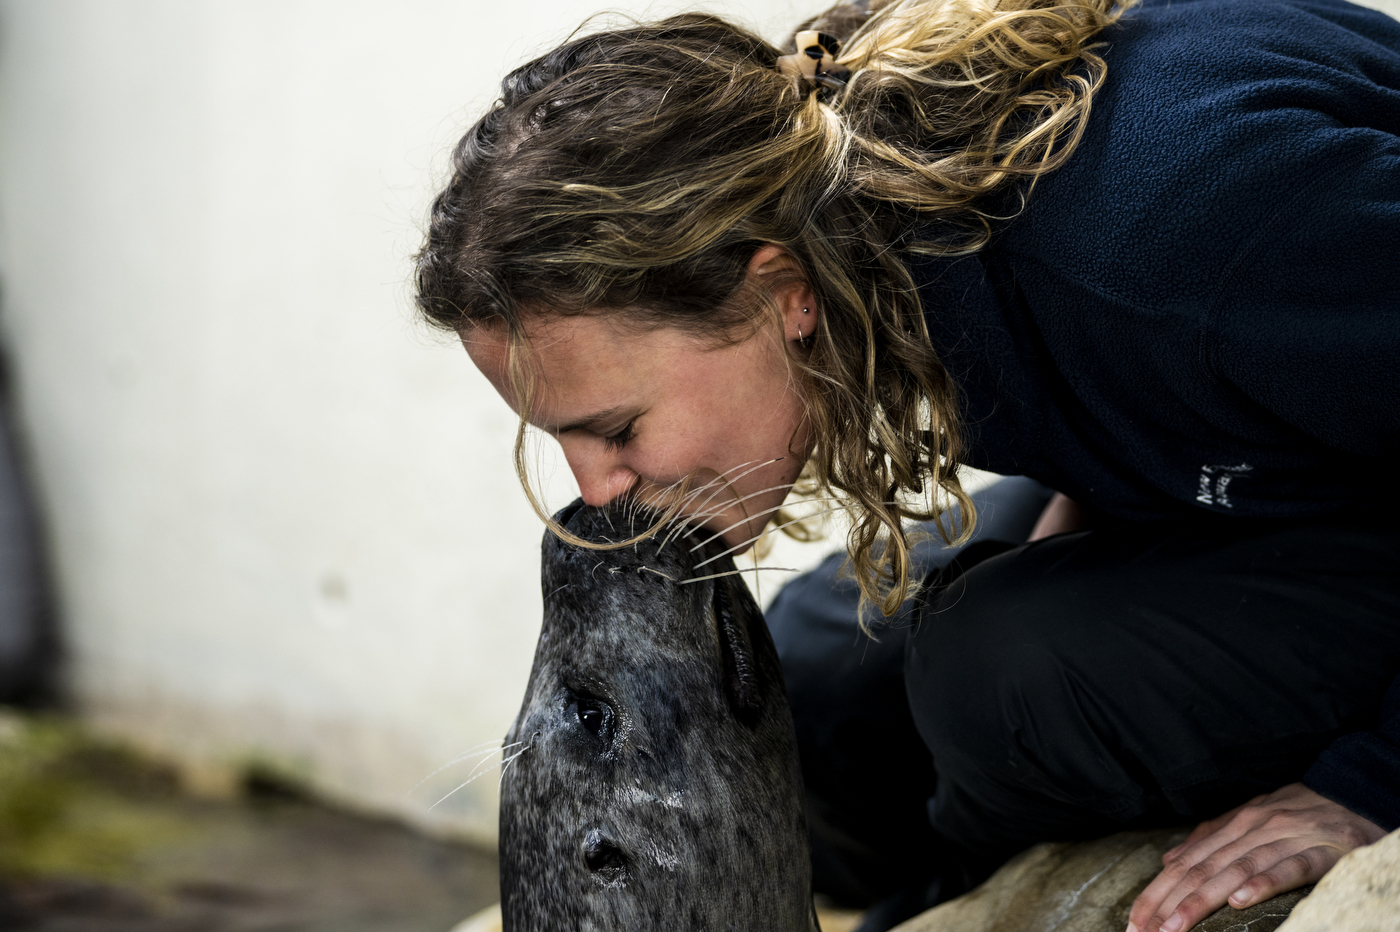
<point x="653" y="779"/>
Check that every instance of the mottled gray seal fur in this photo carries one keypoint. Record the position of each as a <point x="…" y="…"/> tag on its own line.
<point x="660" y="789"/>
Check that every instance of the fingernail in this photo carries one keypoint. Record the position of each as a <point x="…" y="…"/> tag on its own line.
<point x="1240" y="896"/>
<point x="1132" y="928"/>
<point x="1174" y="923"/>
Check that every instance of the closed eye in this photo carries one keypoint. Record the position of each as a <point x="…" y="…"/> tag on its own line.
<point x="617" y="441"/>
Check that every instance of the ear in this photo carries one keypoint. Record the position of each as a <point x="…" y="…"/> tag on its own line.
<point x="779" y="273"/>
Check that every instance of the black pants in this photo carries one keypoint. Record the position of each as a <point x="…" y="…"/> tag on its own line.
<point x="1129" y="676"/>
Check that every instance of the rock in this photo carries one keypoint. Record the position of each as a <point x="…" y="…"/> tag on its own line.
<point x="1083" y="887"/>
<point x="1061" y="887"/>
<point x="837" y="920"/>
<point x="489" y="920"/>
<point x="1090" y="886"/>
<point x="1267" y="916"/>
<point x="1360" y="894"/>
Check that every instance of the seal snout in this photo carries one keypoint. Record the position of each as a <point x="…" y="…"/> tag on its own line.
<point x="604" y="859"/>
<point x="663" y="789"/>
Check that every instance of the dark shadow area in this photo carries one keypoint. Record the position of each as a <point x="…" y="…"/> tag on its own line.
<point x="29" y="641"/>
<point x="264" y="786"/>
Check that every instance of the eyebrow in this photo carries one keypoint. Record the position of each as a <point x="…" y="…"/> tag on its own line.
<point x="585" y="423"/>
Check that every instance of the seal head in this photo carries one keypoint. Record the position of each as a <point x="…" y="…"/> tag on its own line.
<point x="658" y="788"/>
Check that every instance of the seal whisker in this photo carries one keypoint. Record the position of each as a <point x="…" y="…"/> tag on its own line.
<point x="511" y="760"/>
<point x="705" y="504"/>
<point x="486" y="760"/>
<point x="757" y="537"/>
<point x="689" y="497"/>
<point x="471" y="752"/>
<point x="701" y="516"/>
<point x="726" y="482"/>
<point x="756" y="514"/>
<point x="721" y="478"/>
<point x="680" y="514"/>
<point x="700" y="520"/>
<point x="455" y="789"/>
<point x="751" y="569"/>
<point x="491" y="745"/>
<point x="766" y="511"/>
<point x="654" y="499"/>
<point x="647" y="569"/>
<point x="478" y="776"/>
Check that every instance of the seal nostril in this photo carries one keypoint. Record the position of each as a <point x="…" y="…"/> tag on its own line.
<point x="604" y="858"/>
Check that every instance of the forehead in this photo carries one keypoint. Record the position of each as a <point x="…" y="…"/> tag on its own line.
<point x="579" y="357"/>
<point x="549" y="340"/>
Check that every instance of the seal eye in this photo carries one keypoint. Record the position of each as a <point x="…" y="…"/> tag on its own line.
<point x="592" y="719"/>
<point x="595" y="716"/>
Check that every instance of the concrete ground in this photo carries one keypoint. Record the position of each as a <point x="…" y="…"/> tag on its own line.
<point x="95" y="839"/>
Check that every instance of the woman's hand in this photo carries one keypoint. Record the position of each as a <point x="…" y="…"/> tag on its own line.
<point x="1270" y="845"/>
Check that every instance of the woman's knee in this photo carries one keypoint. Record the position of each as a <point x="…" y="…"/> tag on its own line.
<point x="987" y="658"/>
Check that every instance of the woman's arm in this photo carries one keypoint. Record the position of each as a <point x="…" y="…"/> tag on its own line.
<point x="1061" y="514"/>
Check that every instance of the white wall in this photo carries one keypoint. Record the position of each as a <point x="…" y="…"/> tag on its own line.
<point x="283" y="519"/>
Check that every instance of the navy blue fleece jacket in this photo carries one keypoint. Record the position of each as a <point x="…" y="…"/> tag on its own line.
<point x="1200" y="312"/>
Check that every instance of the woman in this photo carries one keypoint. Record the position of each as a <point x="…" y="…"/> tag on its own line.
<point x="1145" y="256"/>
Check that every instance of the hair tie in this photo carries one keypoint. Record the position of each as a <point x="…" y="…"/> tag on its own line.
<point x="815" y="61"/>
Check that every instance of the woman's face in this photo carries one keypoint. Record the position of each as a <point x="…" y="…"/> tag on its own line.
<point x="636" y="411"/>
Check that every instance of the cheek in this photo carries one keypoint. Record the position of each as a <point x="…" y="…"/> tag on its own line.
<point x="775" y="426"/>
<point x="665" y="461"/>
<point x="686" y="452"/>
<point x="736" y="410"/>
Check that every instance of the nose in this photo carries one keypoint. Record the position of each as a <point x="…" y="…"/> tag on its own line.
<point x="600" y="477"/>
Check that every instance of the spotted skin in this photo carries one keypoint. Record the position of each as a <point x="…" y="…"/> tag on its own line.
<point x="660" y="789"/>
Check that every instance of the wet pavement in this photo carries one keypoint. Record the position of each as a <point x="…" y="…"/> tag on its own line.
<point x="95" y="839"/>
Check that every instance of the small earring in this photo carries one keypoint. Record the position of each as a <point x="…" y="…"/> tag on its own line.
<point x="806" y="310"/>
